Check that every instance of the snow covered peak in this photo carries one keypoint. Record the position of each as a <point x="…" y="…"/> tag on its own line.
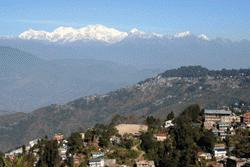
<point x="97" y="33"/>
<point x="142" y="34"/>
<point x="69" y="34"/>
<point x="136" y="31"/>
<point x="183" y="34"/>
<point x="203" y="37"/>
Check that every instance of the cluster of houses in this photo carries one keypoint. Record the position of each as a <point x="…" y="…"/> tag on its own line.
<point x="20" y="150"/>
<point x="221" y="122"/>
<point x="224" y="123"/>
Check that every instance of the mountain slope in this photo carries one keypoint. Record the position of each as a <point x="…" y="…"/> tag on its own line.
<point x="172" y="90"/>
<point x="28" y="82"/>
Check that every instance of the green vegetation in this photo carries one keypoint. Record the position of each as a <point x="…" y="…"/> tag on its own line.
<point x="75" y="143"/>
<point x="49" y="156"/>
<point x="242" y="143"/>
<point x="185" y="140"/>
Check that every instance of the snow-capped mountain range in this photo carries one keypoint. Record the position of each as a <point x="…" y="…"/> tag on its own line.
<point x="96" y="33"/>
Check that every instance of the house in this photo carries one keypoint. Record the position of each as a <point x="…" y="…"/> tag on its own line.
<point x="62" y="153"/>
<point x="213" y="116"/>
<point x="235" y="162"/>
<point x="115" y="140"/>
<point x="223" y="126"/>
<point x="204" y="155"/>
<point x="96" y="163"/>
<point x="215" y="164"/>
<point x="246" y="117"/>
<point x="110" y="162"/>
<point x="235" y="118"/>
<point x="133" y="129"/>
<point x="33" y="142"/>
<point x="97" y="155"/>
<point x="215" y="131"/>
<point x="145" y="163"/>
<point x="161" y="136"/>
<point x="58" y="137"/>
<point x="168" y="124"/>
<point x="82" y="136"/>
<point x="222" y="134"/>
<point x="220" y="151"/>
<point x="12" y="154"/>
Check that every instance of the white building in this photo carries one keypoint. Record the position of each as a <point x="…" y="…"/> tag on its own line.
<point x="62" y="153"/>
<point x="96" y="163"/>
<point x="161" y="136"/>
<point x="220" y="151"/>
<point x="145" y="163"/>
<point x="33" y="142"/>
<point x="168" y="124"/>
<point x="14" y="153"/>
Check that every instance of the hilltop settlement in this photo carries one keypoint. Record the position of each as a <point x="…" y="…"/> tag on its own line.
<point x="196" y="137"/>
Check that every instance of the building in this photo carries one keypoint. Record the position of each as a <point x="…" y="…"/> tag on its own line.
<point x="96" y="163"/>
<point x="82" y="136"/>
<point x="223" y="126"/>
<point x="110" y="162"/>
<point x="58" y="137"/>
<point x="205" y="156"/>
<point x="145" y="163"/>
<point x="215" y="164"/>
<point x="14" y="153"/>
<point x="220" y="151"/>
<point x="168" y="124"/>
<point x="213" y="116"/>
<point x="97" y="155"/>
<point x="62" y="153"/>
<point x="115" y="140"/>
<point x="235" y="162"/>
<point x="216" y="132"/>
<point x="161" y="136"/>
<point x="246" y="117"/>
<point x="33" y="142"/>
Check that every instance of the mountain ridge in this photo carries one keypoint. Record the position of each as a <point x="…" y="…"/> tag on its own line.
<point x="97" y="32"/>
<point x="154" y="96"/>
<point x="150" y="53"/>
<point x="29" y="82"/>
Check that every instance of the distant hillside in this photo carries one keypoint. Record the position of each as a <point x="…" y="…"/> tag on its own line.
<point x="28" y="82"/>
<point x="172" y="90"/>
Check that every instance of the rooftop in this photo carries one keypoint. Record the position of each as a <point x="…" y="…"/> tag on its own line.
<point x="224" y="112"/>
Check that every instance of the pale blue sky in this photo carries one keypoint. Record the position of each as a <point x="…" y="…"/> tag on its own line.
<point x="216" y="18"/>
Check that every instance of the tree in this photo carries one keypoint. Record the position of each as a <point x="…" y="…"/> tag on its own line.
<point x="153" y="123"/>
<point x="242" y="147"/>
<point x="170" y="116"/>
<point x="75" y="143"/>
<point x="50" y="155"/>
<point x="2" y="162"/>
<point x="207" y="141"/>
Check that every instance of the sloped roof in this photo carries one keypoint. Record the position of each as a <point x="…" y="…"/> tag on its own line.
<point x="209" y="111"/>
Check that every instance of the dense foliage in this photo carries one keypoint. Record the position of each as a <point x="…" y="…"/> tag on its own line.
<point x="186" y="140"/>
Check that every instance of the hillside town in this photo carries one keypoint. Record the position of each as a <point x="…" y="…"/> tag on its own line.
<point x="124" y="145"/>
